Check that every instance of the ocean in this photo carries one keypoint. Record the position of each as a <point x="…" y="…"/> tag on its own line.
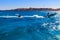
<point x="29" y="28"/>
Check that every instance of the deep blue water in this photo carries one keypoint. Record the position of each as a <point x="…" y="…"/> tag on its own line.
<point x="29" y="28"/>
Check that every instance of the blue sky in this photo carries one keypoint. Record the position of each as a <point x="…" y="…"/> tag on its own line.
<point x="12" y="4"/>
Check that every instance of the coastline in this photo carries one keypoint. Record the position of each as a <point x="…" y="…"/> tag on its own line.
<point x="40" y="9"/>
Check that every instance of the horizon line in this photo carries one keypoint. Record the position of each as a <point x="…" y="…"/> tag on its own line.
<point x="28" y="8"/>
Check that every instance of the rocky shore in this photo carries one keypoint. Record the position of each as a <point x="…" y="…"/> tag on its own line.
<point x="42" y="9"/>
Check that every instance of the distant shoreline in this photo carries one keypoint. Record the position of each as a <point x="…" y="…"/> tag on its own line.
<point x="41" y="9"/>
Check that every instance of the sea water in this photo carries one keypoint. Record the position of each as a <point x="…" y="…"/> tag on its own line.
<point x="29" y="28"/>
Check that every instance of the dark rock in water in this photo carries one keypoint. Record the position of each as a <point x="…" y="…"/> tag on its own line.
<point x="50" y="15"/>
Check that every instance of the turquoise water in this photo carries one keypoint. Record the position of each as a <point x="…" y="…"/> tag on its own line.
<point x="29" y="28"/>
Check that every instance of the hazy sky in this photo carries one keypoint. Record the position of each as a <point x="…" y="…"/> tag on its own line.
<point x="11" y="4"/>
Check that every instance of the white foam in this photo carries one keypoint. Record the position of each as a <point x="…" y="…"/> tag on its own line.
<point x="58" y="27"/>
<point x="8" y="16"/>
<point x="58" y="12"/>
<point x="54" y="28"/>
<point x="44" y="24"/>
<point x="21" y="16"/>
<point x="34" y="16"/>
<point x="38" y="16"/>
<point x="28" y="16"/>
<point x="58" y="36"/>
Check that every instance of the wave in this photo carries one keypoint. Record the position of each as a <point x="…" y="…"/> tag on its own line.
<point x="8" y="16"/>
<point x="36" y="16"/>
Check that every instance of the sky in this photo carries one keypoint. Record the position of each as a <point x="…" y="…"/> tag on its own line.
<point x="13" y="4"/>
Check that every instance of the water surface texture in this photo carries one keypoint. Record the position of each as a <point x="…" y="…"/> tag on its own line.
<point x="29" y="28"/>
